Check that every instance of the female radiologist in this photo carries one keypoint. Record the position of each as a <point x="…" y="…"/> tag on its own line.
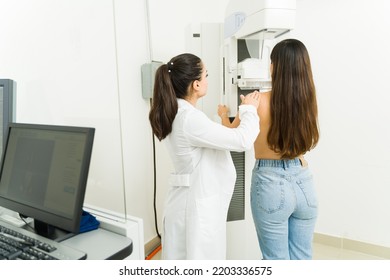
<point x="195" y="213"/>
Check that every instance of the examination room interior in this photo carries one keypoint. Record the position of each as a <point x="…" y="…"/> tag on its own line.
<point x="79" y="63"/>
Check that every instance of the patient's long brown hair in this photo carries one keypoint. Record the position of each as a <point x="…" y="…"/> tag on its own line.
<point x="294" y="114"/>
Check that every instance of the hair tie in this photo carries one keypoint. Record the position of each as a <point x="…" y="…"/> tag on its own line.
<point x="170" y="64"/>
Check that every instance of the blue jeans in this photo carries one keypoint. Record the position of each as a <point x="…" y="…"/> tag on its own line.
<point x="284" y="208"/>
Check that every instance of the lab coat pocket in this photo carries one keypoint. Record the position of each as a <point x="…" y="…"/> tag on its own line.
<point x="210" y="214"/>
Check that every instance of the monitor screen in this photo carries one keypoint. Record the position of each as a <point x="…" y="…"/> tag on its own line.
<point x="44" y="173"/>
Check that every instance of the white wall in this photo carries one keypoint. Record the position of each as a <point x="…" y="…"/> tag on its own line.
<point x="62" y="56"/>
<point x="348" y="44"/>
<point x="78" y="63"/>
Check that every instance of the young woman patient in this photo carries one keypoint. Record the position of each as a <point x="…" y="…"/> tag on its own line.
<point x="283" y="198"/>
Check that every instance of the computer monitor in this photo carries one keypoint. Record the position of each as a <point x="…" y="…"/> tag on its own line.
<point x="44" y="174"/>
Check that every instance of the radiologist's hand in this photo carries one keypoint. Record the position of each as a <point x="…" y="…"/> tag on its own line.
<point x="223" y="111"/>
<point x="252" y="98"/>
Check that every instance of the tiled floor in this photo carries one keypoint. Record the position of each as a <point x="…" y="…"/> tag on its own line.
<point x="324" y="252"/>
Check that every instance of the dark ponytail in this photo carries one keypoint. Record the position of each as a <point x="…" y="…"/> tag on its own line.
<point x="172" y="81"/>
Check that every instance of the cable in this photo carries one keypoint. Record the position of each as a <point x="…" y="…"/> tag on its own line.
<point x="154" y="143"/>
<point x="23" y="218"/>
<point x="154" y="182"/>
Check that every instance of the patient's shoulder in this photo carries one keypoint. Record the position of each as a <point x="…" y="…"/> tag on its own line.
<point x="264" y="103"/>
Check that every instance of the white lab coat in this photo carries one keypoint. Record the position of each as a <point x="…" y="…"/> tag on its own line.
<point x="195" y="212"/>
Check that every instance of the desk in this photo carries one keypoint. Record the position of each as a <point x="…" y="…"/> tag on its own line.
<point x="104" y="243"/>
<point x="101" y="244"/>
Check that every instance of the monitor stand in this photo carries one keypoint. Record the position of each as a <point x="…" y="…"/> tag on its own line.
<point x="51" y="232"/>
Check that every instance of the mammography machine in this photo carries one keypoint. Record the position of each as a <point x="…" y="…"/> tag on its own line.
<point x="250" y="31"/>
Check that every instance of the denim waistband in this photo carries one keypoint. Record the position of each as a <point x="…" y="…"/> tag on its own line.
<point x="284" y="163"/>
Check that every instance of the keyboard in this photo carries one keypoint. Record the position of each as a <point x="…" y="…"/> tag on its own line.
<point x="20" y="244"/>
